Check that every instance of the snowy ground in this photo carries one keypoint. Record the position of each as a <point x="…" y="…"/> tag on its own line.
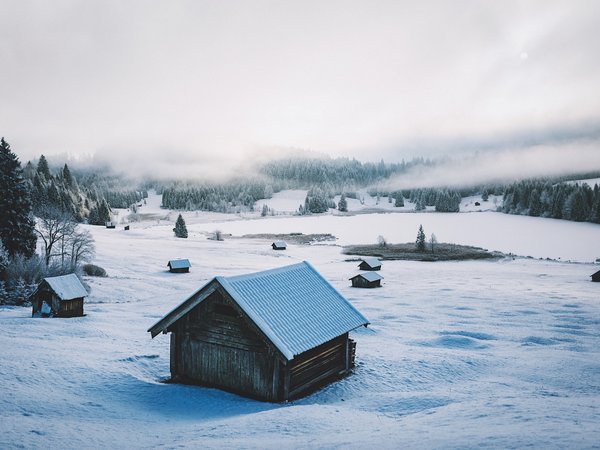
<point x="459" y="354"/>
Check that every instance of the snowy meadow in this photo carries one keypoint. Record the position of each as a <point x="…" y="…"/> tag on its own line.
<point x="468" y="354"/>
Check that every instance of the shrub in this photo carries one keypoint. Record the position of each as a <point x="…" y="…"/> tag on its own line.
<point x="94" y="271"/>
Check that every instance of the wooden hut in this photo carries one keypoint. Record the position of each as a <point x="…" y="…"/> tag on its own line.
<point x="370" y="264"/>
<point x="179" y="265"/>
<point x="366" y="280"/>
<point x="58" y="297"/>
<point x="596" y="276"/>
<point x="279" y="245"/>
<point x="272" y="335"/>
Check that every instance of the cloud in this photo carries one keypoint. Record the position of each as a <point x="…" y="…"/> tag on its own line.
<point x="219" y="80"/>
<point x="507" y="165"/>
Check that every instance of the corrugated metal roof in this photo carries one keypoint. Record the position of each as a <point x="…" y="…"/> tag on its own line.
<point x="279" y="244"/>
<point x="294" y="306"/>
<point x="67" y="287"/>
<point x="372" y="262"/>
<point x="179" y="263"/>
<point x="369" y="276"/>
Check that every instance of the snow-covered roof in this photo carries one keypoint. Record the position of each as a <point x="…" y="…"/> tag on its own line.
<point x="66" y="287"/>
<point x="279" y="244"/>
<point x="369" y="276"/>
<point x="179" y="263"/>
<point x="371" y="262"/>
<point x="294" y="306"/>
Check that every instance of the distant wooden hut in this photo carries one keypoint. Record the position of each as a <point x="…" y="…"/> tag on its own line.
<point x="179" y="265"/>
<point x="370" y="264"/>
<point x="366" y="280"/>
<point x="272" y="335"/>
<point x="596" y="276"/>
<point x="279" y="245"/>
<point x="110" y="224"/>
<point x="126" y="227"/>
<point x="58" y="297"/>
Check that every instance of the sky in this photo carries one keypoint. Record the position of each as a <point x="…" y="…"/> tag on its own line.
<point x="179" y="86"/>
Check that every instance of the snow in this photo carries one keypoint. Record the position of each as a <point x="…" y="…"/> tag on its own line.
<point x="67" y="287"/>
<point x="287" y="201"/>
<point x="469" y="354"/>
<point x="521" y="235"/>
<point x="591" y="182"/>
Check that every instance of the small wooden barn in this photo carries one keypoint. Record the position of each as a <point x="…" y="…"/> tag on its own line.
<point x="179" y="265"/>
<point x="596" y="276"/>
<point x="279" y="245"/>
<point x="58" y="297"/>
<point x="366" y="280"/>
<point x="272" y="335"/>
<point x="370" y="264"/>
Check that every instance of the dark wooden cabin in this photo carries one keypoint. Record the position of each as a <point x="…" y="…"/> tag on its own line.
<point x="179" y="265"/>
<point x="366" y="280"/>
<point x="370" y="264"/>
<point x="273" y="335"/>
<point x="58" y="297"/>
<point x="279" y="245"/>
<point x="596" y="276"/>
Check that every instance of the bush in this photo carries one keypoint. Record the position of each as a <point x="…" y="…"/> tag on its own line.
<point x="92" y="270"/>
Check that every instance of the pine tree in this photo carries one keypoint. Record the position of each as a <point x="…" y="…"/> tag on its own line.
<point x="419" y="205"/>
<point x="420" y="239"/>
<point x="4" y="259"/>
<point x="3" y="293"/>
<point x="180" y="228"/>
<point x="66" y="173"/>
<point x="343" y="204"/>
<point x="43" y="169"/>
<point x="399" y="199"/>
<point x="535" y="204"/>
<point x="16" y="225"/>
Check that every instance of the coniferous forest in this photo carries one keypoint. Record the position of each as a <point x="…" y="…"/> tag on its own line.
<point x="542" y="198"/>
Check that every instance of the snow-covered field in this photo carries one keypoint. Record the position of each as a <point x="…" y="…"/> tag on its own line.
<point x="497" y="354"/>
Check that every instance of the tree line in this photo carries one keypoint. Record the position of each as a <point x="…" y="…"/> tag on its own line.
<point x="542" y="198"/>
<point x="334" y="173"/>
<point x="234" y="196"/>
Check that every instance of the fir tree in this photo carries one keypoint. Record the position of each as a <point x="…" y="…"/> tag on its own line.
<point x="3" y="293"/>
<point x="4" y="259"/>
<point x="343" y="204"/>
<point x="43" y="169"/>
<point x="66" y="174"/>
<point x="399" y="200"/>
<point x="535" y="204"/>
<point x="16" y="225"/>
<point x="420" y="239"/>
<point x="180" y="228"/>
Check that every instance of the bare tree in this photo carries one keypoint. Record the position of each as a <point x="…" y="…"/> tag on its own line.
<point x="81" y="246"/>
<point x="54" y="228"/>
<point x="432" y="241"/>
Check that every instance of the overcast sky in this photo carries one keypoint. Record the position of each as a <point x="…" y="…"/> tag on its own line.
<point x="365" y="79"/>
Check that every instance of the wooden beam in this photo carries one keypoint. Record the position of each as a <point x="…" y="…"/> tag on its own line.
<point x="183" y="309"/>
